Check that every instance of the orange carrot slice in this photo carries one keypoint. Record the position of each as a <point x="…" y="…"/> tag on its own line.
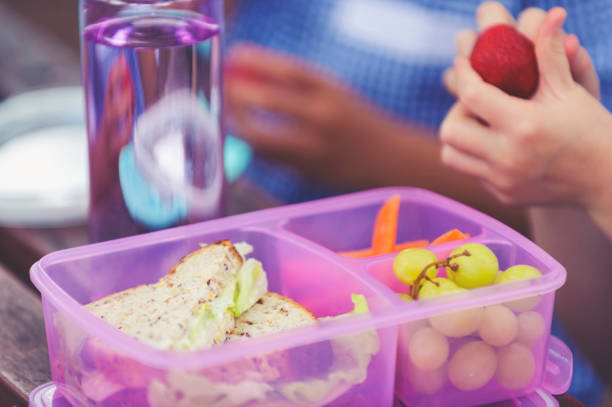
<point x="368" y="252"/>
<point x="411" y="243"/>
<point x="385" y="227"/>
<point x="451" y="235"/>
<point x="358" y="253"/>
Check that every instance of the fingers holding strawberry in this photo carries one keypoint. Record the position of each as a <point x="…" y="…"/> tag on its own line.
<point x="505" y="58"/>
<point x="583" y="70"/>
<point x="532" y="148"/>
<point x="488" y="14"/>
<point x="492" y="13"/>
<point x="464" y="43"/>
<point x="529" y="21"/>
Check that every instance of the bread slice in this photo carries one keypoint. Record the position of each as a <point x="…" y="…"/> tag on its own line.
<point x="166" y="314"/>
<point x="275" y="313"/>
<point x="272" y="313"/>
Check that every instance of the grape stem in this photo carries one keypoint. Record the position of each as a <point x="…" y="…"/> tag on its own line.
<point x="441" y="263"/>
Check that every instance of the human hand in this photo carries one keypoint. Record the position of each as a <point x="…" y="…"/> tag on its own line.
<point x="311" y="120"/>
<point x="548" y="149"/>
<point x="529" y="20"/>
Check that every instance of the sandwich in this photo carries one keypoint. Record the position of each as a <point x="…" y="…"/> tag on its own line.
<point x="195" y="305"/>
<point x="271" y="313"/>
<point x="213" y="296"/>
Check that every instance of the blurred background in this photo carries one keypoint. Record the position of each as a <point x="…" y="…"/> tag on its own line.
<point x="39" y="45"/>
<point x="41" y="102"/>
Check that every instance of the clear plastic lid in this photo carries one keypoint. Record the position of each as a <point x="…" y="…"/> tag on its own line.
<point x="47" y="395"/>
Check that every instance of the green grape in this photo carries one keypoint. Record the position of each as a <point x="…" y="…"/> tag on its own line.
<point x="409" y="263"/>
<point x="531" y="327"/>
<point x="457" y="324"/>
<point x="445" y="286"/>
<point x="518" y="272"/>
<point x="477" y="268"/>
<point x="405" y="297"/>
<point x="472" y="366"/>
<point x="428" y="383"/>
<point x="428" y="349"/>
<point x="499" y="325"/>
<point x="515" y="367"/>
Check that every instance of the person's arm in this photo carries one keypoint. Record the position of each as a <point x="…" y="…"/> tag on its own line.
<point x="580" y="238"/>
<point x="584" y="303"/>
<point x="406" y="154"/>
<point x="335" y="136"/>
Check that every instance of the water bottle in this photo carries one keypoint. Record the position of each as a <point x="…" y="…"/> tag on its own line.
<point x="152" y="81"/>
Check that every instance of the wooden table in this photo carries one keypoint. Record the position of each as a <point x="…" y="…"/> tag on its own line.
<point x="24" y="363"/>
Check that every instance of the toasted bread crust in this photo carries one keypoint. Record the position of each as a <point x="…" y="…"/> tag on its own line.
<point x="161" y="313"/>
<point x="271" y="313"/>
<point x="292" y="302"/>
<point x="225" y="243"/>
<point x="112" y="296"/>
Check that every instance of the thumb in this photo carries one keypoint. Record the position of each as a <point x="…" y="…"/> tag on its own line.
<point x="550" y="50"/>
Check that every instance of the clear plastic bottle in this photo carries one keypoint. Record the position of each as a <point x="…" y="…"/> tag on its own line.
<point x="152" y="80"/>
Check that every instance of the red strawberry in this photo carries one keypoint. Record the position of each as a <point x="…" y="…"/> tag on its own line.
<point x="505" y="58"/>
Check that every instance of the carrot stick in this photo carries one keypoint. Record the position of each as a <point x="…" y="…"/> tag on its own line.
<point x="358" y="253"/>
<point x="450" y="236"/>
<point x="410" y="243"/>
<point x="385" y="227"/>
<point x="368" y="252"/>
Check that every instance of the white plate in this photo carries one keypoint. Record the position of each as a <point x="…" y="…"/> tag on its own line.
<point x="43" y="159"/>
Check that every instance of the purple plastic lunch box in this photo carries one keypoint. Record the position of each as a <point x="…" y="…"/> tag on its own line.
<point x="355" y="360"/>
